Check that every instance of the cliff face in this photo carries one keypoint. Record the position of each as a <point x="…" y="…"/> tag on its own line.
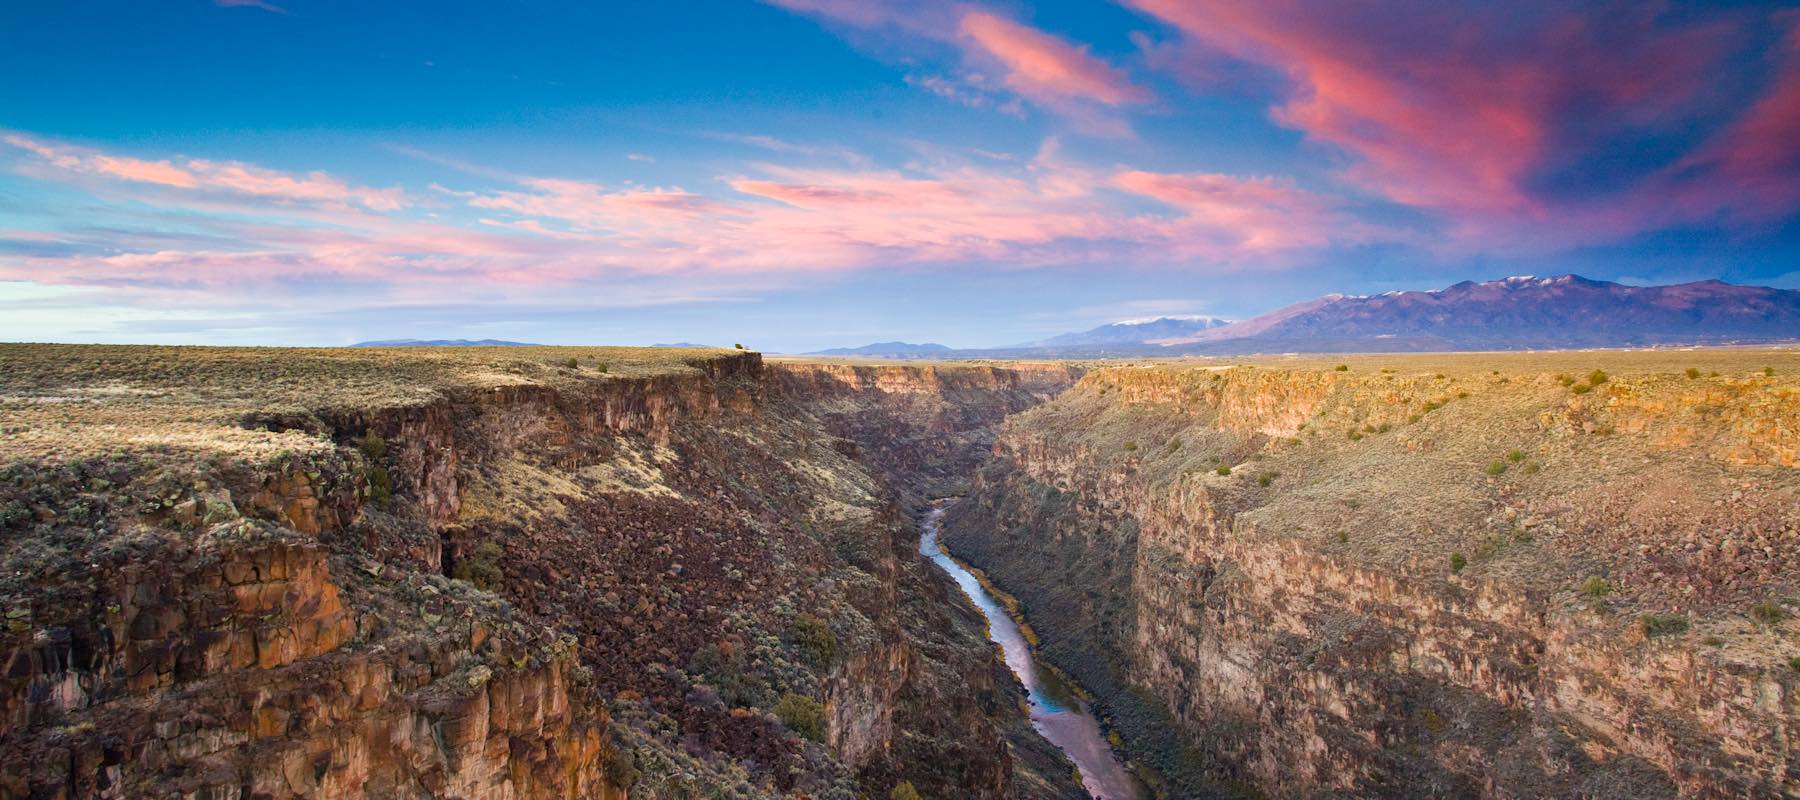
<point x="322" y="574"/>
<point x="1468" y="576"/>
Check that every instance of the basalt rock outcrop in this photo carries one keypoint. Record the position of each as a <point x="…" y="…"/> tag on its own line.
<point x="1552" y="575"/>
<point x="520" y="573"/>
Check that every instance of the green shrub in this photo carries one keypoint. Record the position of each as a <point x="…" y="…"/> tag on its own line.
<point x="802" y="715"/>
<point x="1769" y="372"/>
<point x="482" y="567"/>
<point x="1265" y="479"/>
<point x="600" y="366"/>
<point x="739" y="345"/>
<point x="1342" y="368"/>
<point x="1131" y="445"/>
<point x="1355" y="435"/>
<point x="1496" y="468"/>
<point x="815" y="639"/>
<point x="1596" y="377"/>
<point x="1531" y="468"/>
<point x="381" y="485"/>
<point x="1596" y="586"/>
<point x="1564" y="379"/>
<point x="1768" y="614"/>
<point x="1223" y="470"/>
<point x="1692" y="373"/>
<point x="572" y="364"/>
<point x="1515" y="456"/>
<point x="904" y="791"/>
<point x="1581" y="388"/>
<point x="1655" y="625"/>
<point x="372" y="445"/>
<point x="1794" y="663"/>
<point x="1458" y="561"/>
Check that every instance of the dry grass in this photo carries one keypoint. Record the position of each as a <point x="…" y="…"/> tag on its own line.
<point x="74" y="401"/>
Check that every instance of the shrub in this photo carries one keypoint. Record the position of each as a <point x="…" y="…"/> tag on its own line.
<point x="372" y="445"/>
<point x="1581" y="388"/>
<point x="600" y="366"/>
<point x="1655" y="625"/>
<point x="1531" y="468"/>
<point x="1794" y="663"/>
<point x="1692" y="373"/>
<point x="381" y="485"/>
<point x="739" y="345"/>
<point x="482" y="567"/>
<point x="1515" y="456"/>
<point x="815" y="639"/>
<point x="1769" y="372"/>
<point x="1768" y="614"/>
<point x="1384" y="428"/>
<point x="1223" y="470"/>
<point x="1343" y="537"/>
<point x="1355" y="435"/>
<point x="1596" y="586"/>
<point x="1458" y="561"/>
<point x="1131" y="445"/>
<point x="802" y="715"/>
<point x="904" y="791"/>
<point x="1174" y="444"/>
<point x="1564" y="379"/>
<point x="1496" y="468"/>
<point x="1342" y="368"/>
<point x="572" y="364"/>
<point x="621" y="769"/>
<point x="1597" y="377"/>
<point x="1265" y="479"/>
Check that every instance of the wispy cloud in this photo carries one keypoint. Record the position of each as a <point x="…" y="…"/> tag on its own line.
<point x="229" y="227"/>
<point x="229" y="177"/>
<point x="1576" y="124"/>
<point x="257" y="4"/>
<point x="1048" y="71"/>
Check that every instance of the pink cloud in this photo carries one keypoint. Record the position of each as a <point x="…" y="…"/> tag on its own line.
<point x="1045" y="68"/>
<point x="1249" y="215"/>
<point x="1048" y="71"/>
<point x="776" y="220"/>
<point x="1484" y="112"/>
<point x="202" y="175"/>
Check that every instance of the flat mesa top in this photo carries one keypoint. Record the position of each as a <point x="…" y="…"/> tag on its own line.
<point x="73" y="401"/>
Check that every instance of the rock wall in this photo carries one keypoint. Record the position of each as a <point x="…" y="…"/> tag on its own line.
<point x="1319" y="583"/>
<point x="520" y="587"/>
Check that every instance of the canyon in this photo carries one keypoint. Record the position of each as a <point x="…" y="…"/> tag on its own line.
<point x="534" y="572"/>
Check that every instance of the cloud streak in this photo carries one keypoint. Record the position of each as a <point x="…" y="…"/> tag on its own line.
<point x="1571" y="122"/>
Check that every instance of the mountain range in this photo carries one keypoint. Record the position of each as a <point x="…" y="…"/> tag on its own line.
<point x="1517" y="313"/>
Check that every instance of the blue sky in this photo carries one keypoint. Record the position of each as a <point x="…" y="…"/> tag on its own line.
<point x="813" y="173"/>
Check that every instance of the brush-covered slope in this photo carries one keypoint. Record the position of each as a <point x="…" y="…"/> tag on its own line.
<point x="1535" y="575"/>
<point x="473" y="573"/>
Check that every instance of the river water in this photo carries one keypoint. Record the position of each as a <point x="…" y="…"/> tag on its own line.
<point x="1056" y="712"/>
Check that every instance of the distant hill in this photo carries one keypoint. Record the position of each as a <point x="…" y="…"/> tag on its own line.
<point x="686" y="345"/>
<point x="1517" y="313"/>
<point x="1134" y="331"/>
<point x="443" y="343"/>
<point x="889" y="350"/>
<point x="1525" y="312"/>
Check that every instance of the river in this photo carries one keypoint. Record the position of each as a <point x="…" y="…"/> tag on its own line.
<point x="1056" y="712"/>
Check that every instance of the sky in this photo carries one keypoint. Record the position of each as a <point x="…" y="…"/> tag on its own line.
<point x="802" y="174"/>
